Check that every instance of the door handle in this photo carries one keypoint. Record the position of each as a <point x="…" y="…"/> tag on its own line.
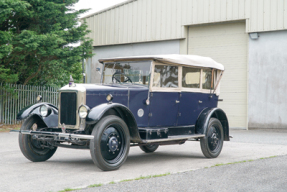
<point x="176" y="101"/>
<point x="199" y="101"/>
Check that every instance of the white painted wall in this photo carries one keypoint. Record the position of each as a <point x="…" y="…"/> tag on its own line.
<point x="150" y="48"/>
<point x="267" y="106"/>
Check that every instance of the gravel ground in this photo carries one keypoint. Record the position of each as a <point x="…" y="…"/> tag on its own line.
<point x="260" y="175"/>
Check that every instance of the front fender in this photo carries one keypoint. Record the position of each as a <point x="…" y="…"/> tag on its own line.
<point x="204" y="117"/>
<point x="50" y="121"/>
<point x="99" y="111"/>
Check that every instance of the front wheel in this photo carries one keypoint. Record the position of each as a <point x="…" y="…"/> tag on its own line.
<point x="31" y="148"/>
<point x="212" y="143"/>
<point x="110" y="146"/>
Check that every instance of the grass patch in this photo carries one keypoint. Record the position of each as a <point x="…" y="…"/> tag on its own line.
<point x="268" y="157"/>
<point x="220" y="164"/>
<point x="126" y="180"/>
<point x="161" y="175"/>
<point x="143" y="177"/>
<point x="146" y="177"/>
<point x="95" y="185"/>
<point x="69" y="189"/>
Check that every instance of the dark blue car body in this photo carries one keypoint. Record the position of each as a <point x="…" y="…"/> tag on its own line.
<point x="163" y="109"/>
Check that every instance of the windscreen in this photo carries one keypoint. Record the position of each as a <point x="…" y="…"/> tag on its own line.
<point x="127" y="72"/>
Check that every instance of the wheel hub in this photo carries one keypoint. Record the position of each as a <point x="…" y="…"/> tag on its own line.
<point x="214" y="140"/>
<point x="113" y="143"/>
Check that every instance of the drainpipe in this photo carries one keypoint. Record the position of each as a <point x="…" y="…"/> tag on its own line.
<point x="83" y="66"/>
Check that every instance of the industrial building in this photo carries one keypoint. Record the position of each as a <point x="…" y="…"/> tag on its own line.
<point x="249" y="37"/>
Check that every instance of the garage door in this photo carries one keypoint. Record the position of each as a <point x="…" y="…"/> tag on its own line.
<point x="227" y="44"/>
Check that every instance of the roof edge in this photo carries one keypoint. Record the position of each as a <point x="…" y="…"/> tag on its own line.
<point x="109" y="8"/>
<point x="178" y="59"/>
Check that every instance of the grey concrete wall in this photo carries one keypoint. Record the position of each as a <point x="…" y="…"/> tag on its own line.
<point x="267" y="97"/>
<point x="149" y="48"/>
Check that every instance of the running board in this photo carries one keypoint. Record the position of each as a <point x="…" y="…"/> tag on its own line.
<point x="57" y="134"/>
<point x="174" y="138"/>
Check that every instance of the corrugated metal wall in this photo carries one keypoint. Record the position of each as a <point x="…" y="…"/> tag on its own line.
<point x="155" y="20"/>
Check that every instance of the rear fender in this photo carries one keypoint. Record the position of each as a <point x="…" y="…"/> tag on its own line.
<point x="204" y="117"/>
<point x="100" y="111"/>
<point x="34" y="109"/>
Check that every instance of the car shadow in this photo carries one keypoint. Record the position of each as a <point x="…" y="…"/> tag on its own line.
<point x="133" y="160"/>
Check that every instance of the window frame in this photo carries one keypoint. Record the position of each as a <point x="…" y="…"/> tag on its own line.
<point x="164" y="89"/>
<point x="215" y="72"/>
<point x="114" y="62"/>
<point x="200" y="89"/>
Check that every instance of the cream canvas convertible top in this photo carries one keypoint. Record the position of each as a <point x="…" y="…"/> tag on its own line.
<point x="191" y="60"/>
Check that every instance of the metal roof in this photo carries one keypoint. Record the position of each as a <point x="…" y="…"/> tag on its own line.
<point x="191" y="60"/>
<point x="109" y="8"/>
<point x="137" y="21"/>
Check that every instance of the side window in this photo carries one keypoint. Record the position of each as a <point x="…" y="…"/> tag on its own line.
<point x="165" y="76"/>
<point x="108" y="72"/>
<point x="207" y="82"/>
<point x="190" y="77"/>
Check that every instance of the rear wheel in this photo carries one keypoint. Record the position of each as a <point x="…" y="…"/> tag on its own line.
<point x="31" y="148"/>
<point x="149" y="148"/>
<point x="110" y="146"/>
<point x="212" y="143"/>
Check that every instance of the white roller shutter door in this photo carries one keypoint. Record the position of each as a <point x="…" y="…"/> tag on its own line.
<point x="226" y="43"/>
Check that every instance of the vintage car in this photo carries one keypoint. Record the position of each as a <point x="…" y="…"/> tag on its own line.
<point x="143" y="101"/>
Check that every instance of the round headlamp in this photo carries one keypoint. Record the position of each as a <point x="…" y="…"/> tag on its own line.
<point x="83" y="111"/>
<point x="109" y="97"/>
<point x="45" y="110"/>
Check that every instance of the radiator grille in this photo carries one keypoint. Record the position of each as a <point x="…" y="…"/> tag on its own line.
<point x="68" y="108"/>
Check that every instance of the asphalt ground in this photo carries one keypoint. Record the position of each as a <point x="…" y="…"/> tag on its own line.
<point x="259" y="175"/>
<point x="70" y="168"/>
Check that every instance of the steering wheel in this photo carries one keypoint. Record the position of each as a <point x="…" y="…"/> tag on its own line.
<point x="118" y="80"/>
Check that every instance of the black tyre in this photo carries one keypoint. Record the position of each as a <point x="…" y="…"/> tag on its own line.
<point x="111" y="144"/>
<point x="149" y="148"/>
<point x="31" y="148"/>
<point x="212" y="143"/>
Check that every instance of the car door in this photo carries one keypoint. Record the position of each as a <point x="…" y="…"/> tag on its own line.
<point x="164" y="97"/>
<point x="188" y="108"/>
<point x="190" y="96"/>
<point x="163" y="109"/>
<point x="197" y="94"/>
